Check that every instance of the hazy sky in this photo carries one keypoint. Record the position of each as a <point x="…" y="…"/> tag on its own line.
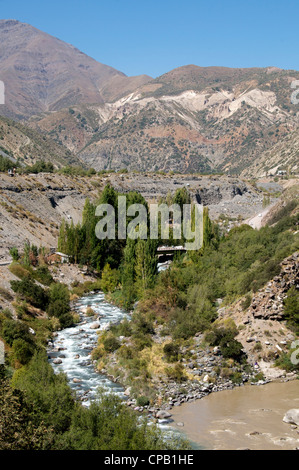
<point x="153" y="37"/>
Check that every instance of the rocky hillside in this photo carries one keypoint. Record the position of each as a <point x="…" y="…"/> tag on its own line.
<point x="33" y="206"/>
<point x="262" y="326"/>
<point x="193" y="119"/>
<point x="26" y="144"/>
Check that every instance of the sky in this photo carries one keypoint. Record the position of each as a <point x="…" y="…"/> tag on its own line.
<point x="153" y="37"/>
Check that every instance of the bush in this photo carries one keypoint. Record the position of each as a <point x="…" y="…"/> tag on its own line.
<point x="49" y="391"/>
<point x="43" y="275"/>
<point x="14" y="253"/>
<point x="20" y="271"/>
<point x="142" y="341"/>
<point x="31" y="292"/>
<point x="176" y="373"/>
<point x="111" y="344"/>
<point x="22" y="351"/>
<point x="142" y="401"/>
<point x="231" y="348"/>
<point x="13" y="330"/>
<point x="59" y="304"/>
<point x="171" y="351"/>
<point x="223" y="335"/>
<point x="245" y="304"/>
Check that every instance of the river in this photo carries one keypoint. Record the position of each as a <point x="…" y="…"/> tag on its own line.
<point x="245" y="417"/>
<point x="73" y="347"/>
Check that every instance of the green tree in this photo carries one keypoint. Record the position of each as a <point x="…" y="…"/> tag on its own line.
<point x="128" y="274"/>
<point x="47" y="393"/>
<point x="18" y="431"/>
<point x="109" y="279"/>
<point x="59" y="304"/>
<point x="62" y="238"/>
<point x="14" y="253"/>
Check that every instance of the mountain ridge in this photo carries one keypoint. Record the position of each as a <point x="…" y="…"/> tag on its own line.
<point x="190" y="119"/>
<point x="43" y="73"/>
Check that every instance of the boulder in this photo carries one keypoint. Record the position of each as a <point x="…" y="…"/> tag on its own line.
<point x="292" y="416"/>
<point x="162" y="414"/>
<point x="94" y="326"/>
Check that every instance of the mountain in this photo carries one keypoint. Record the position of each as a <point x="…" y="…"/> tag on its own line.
<point x="191" y="119"/>
<point x="42" y="73"/>
<point x="18" y="141"/>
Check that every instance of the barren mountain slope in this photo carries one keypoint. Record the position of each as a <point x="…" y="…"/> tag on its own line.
<point x="42" y="73"/>
<point x="229" y="122"/>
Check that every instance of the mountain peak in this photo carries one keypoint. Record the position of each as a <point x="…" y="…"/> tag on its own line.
<point x="42" y="73"/>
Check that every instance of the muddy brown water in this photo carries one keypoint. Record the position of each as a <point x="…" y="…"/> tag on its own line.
<point x="249" y="417"/>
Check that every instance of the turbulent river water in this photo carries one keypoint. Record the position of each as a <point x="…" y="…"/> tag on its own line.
<point x="73" y="347"/>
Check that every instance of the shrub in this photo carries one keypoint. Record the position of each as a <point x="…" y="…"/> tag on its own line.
<point x="245" y="304"/>
<point x="90" y="312"/>
<point x="171" y="351"/>
<point x="49" y="391"/>
<point x="143" y="401"/>
<point x="59" y="304"/>
<point x="126" y="352"/>
<point x="111" y="344"/>
<point x="43" y="275"/>
<point x="31" y="292"/>
<point x="22" y="351"/>
<point x="231" y="348"/>
<point x="142" y="341"/>
<point x="291" y="305"/>
<point x="176" y="373"/>
<point x="20" y="271"/>
<point x="14" y="253"/>
<point x="223" y="335"/>
<point x="13" y="330"/>
<point x="5" y="294"/>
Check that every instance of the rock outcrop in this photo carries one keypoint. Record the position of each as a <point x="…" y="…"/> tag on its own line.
<point x="268" y="302"/>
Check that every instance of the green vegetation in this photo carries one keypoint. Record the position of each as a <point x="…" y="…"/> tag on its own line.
<point x="40" y="167"/>
<point x="38" y="410"/>
<point x="6" y="163"/>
